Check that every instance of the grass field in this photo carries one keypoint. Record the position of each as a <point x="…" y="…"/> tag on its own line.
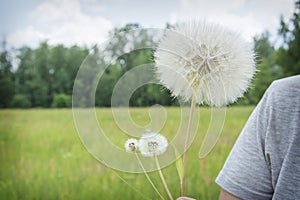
<point x="42" y="157"/>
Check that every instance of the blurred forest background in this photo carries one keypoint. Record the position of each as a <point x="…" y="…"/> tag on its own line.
<point x="44" y="76"/>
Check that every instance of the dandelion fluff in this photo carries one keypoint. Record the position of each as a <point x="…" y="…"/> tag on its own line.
<point x="206" y="61"/>
<point x="152" y="144"/>
<point x="131" y="145"/>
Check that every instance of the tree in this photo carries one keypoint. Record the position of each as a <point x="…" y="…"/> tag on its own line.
<point x="127" y="47"/>
<point x="74" y="57"/>
<point x="288" y="55"/>
<point x="31" y="75"/>
<point x="6" y="79"/>
<point x="267" y="70"/>
<point x="61" y="101"/>
<point x="20" y="101"/>
<point x="46" y="71"/>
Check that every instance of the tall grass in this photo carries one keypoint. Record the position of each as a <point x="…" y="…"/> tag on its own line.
<point x="42" y="157"/>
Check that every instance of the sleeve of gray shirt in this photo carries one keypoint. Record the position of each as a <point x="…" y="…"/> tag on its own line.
<point x="265" y="160"/>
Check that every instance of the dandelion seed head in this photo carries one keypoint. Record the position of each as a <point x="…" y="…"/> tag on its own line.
<point x="206" y="61"/>
<point x="131" y="145"/>
<point x="152" y="144"/>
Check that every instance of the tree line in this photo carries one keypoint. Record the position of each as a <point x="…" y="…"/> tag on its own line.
<point x="44" y="76"/>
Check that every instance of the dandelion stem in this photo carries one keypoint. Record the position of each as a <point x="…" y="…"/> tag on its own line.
<point x="135" y="189"/>
<point x="188" y="135"/>
<point x="163" y="179"/>
<point x="147" y="176"/>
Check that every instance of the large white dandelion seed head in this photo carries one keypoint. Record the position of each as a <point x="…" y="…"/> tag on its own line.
<point x="206" y="61"/>
<point x="152" y="144"/>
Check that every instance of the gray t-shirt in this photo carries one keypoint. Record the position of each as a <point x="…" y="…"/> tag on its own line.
<point x="265" y="160"/>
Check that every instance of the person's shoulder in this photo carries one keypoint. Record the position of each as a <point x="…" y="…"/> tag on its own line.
<point x="285" y="85"/>
<point x="284" y="93"/>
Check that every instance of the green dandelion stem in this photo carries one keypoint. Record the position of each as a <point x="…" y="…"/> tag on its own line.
<point x="133" y="188"/>
<point x="188" y="135"/>
<point x="147" y="176"/>
<point x="162" y="178"/>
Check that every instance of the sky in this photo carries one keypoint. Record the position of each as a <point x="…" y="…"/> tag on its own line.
<point x="86" y="22"/>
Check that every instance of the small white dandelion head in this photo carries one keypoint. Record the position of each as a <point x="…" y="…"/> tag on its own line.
<point x="206" y="61"/>
<point x="131" y="145"/>
<point x="152" y="144"/>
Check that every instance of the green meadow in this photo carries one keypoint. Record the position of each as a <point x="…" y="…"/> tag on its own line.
<point x="42" y="157"/>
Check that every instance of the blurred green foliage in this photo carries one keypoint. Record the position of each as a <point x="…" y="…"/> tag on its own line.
<point x="288" y="55"/>
<point x="46" y="71"/>
<point x="20" y="101"/>
<point x="61" y="101"/>
<point x="267" y="69"/>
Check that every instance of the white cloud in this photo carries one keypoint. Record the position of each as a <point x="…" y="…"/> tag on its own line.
<point x="28" y="36"/>
<point x="56" y="10"/>
<point x="78" y="21"/>
<point x="247" y="17"/>
<point x="62" y="21"/>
